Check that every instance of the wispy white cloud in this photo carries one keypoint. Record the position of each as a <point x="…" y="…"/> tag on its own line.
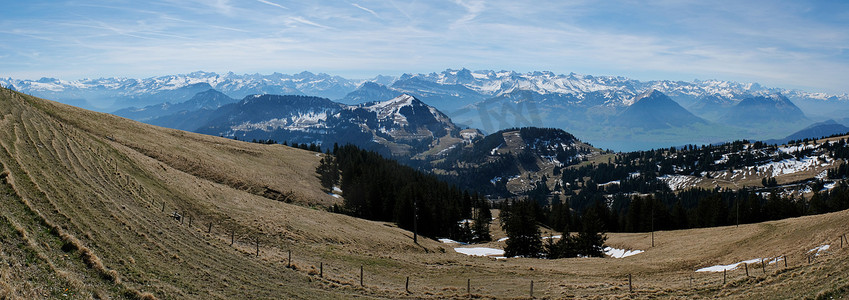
<point x="301" y="20"/>
<point x="366" y="9"/>
<point x="473" y="9"/>
<point x="273" y="4"/>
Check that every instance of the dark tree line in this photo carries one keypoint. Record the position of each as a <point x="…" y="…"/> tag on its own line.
<point x="697" y="208"/>
<point x="521" y="220"/>
<point x="377" y="188"/>
<point x="309" y="147"/>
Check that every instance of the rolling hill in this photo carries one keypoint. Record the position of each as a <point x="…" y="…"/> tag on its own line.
<point x="89" y="204"/>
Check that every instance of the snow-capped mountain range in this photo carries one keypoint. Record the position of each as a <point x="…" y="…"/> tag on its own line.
<point x="109" y="94"/>
<point x="484" y="83"/>
<point x="585" y="105"/>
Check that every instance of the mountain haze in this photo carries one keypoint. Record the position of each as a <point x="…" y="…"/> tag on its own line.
<point x="654" y="110"/>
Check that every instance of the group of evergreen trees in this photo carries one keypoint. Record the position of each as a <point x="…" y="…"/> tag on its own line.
<point x="381" y="189"/>
<point x="521" y="220"/>
<point x="309" y="147"/>
<point x="696" y="208"/>
<point x="638" y="173"/>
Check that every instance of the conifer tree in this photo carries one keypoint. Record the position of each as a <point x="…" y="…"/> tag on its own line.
<point x="521" y="226"/>
<point x="591" y="238"/>
<point x="483" y="217"/>
<point x="328" y="172"/>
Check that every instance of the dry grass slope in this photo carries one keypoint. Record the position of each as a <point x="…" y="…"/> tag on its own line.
<point x="87" y="199"/>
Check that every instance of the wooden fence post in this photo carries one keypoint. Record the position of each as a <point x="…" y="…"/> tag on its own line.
<point x="785" y="261"/>
<point x="361" y="275"/>
<point x="407" y="285"/>
<point x="321" y="270"/>
<point x="630" y="284"/>
<point x="724" y="275"/>
<point x="163" y="206"/>
<point x="289" y="262"/>
<point x="257" y="247"/>
<point x="532" y="289"/>
<point x="747" y="269"/>
<point x="190" y="221"/>
<point x="469" y="287"/>
<point x="232" y="237"/>
<point x="209" y="228"/>
<point x="763" y="265"/>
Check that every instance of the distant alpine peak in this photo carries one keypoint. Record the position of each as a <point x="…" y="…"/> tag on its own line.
<point x="404" y="99"/>
<point x="650" y="94"/>
<point x="394" y="103"/>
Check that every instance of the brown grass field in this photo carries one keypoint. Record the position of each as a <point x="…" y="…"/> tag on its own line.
<point x="81" y="216"/>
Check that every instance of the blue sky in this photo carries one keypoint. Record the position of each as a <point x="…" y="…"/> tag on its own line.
<point x="790" y="44"/>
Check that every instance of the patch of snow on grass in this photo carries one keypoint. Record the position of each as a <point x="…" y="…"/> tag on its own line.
<point x="450" y="241"/>
<point x="792" y="149"/>
<point x="789" y="166"/>
<point x="819" y="249"/>
<point x="828" y="186"/>
<point x="679" y="182"/>
<point x="734" y="266"/>
<point x="503" y="239"/>
<point x="616" y="182"/>
<point x="495" y="150"/>
<point x="620" y="253"/>
<point x="480" y="251"/>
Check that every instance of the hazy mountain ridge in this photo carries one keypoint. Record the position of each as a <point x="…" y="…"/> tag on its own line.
<point x="116" y="93"/>
<point x="484" y="83"/>
<point x="208" y="100"/>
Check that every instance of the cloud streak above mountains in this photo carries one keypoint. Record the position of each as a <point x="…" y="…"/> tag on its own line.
<point x="790" y="44"/>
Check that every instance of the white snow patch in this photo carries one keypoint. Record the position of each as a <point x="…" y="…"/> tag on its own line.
<point x="789" y="166"/>
<point x="679" y="182"/>
<point x="503" y="239"/>
<point x="450" y="241"/>
<point x="620" y="253"/>
<point x="829" y="186"/>
<point x="819" y="249"/>
<point x="734" y="266"/>
<point x="495" y="150"/>
<point x="775" y="260"/>
<point x="480" y="251"/>
<point x="616" y="182"/>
